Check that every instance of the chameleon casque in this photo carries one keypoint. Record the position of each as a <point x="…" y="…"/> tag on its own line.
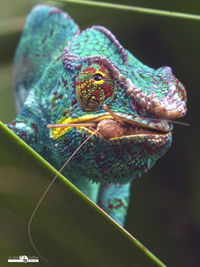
<point x="67" y="76"/>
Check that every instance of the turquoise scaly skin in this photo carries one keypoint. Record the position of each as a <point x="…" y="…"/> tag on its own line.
<point x="63" y="75"/>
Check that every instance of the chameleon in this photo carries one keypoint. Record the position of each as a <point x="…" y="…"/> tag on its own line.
<point x="90" y="82"/>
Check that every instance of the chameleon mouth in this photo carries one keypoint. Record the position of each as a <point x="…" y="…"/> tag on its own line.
<point x="112" y="129"/>
<point x="109" y="127"/>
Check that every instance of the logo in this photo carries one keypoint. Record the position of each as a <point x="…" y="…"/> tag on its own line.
<point x="24" y="259"/>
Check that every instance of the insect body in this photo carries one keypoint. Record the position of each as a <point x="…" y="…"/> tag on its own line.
<point x="88" y="80"/>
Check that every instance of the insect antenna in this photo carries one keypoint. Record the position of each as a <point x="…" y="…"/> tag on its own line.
<point x="46" y="191"/>
<point x="174" y="122"/>
<point x="115" y="116"/>
<point x="89" y="124"/>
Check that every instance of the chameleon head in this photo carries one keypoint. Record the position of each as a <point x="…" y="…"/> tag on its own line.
<point x="133" y="129"/>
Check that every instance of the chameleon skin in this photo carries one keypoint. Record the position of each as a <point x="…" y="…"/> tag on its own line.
<point x="63" y="75"/>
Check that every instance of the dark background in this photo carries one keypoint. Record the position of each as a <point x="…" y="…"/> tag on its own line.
<point x="164" y="213"/>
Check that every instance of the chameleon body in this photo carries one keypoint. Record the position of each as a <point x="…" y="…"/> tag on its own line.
<point x="65" y="76"/>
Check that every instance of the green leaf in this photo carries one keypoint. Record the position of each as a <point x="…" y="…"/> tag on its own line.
<point x="68" y="229"/>
<point x="133" y="8"/>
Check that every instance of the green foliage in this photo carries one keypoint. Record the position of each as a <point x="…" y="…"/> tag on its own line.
<point x="68" y="227"/>
<point x="134" y="8"/>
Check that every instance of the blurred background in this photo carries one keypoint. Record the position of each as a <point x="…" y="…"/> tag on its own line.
<point x="164" y="213"/>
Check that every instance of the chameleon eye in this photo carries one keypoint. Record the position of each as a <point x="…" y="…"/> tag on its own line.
<point x="94" y="85"/>
<point x="97" y="76"/>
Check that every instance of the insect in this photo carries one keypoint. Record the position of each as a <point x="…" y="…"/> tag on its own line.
<point x="80" y="83"/>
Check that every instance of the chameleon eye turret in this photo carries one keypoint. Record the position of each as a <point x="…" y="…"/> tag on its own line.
<point x="94" y="85"/>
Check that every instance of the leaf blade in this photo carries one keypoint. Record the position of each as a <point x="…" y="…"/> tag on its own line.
<point x="68" y="226"/>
